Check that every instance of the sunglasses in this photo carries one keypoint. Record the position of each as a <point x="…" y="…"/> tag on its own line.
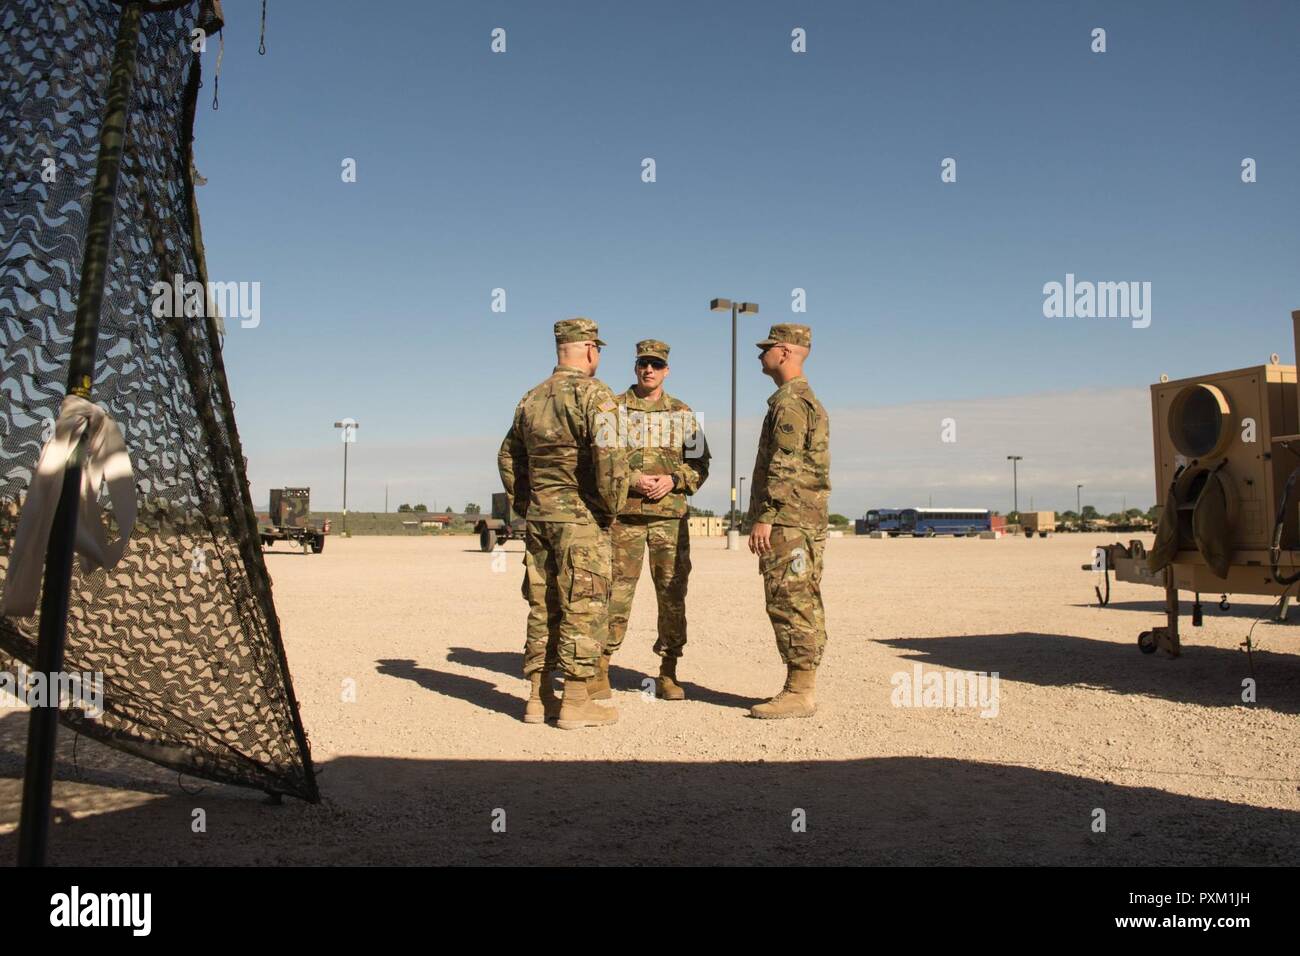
<point x="654" y="363"/>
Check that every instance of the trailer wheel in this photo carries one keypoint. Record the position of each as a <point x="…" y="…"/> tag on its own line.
<point x="1147" y="642"/>
<point x="318" y="544"/>
<point x="266" y="542"/>
<point x="487" y="539"/>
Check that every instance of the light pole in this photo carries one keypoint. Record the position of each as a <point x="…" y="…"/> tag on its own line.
<point x="1015" y="491"/>
<point x="349" y="426"/>
<point x="741" y="505"/>
<point x="749" y="308"/>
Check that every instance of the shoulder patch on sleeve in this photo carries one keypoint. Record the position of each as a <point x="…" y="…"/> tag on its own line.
<point x="789" y="424"/>
<point x="608" y="405"/>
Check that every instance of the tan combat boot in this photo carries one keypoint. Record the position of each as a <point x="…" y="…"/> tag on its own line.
<point x="796" y="700"/>
<point x="577" y="709"/>
<point x="598" y="686"/>
<point x="542" y="703"/>
<point x="666" y="686"/>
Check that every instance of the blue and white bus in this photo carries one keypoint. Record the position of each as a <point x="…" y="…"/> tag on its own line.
<point x="927" y="522"/>
<point x="880" y="519"/>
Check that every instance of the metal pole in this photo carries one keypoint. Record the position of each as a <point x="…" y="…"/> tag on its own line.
<point x="43" y="723"/>
<point x="345" y="482"/>
<point x="1015" y="489"/>
<point x="733" y="534"/>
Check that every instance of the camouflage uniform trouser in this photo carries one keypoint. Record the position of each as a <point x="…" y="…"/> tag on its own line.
<point x="670" y="568"/>
<point x="792" y="585"/>
<point x="566" y="584"/>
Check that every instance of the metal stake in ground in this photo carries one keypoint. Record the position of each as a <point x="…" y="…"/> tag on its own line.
<point x="43" y="722"/>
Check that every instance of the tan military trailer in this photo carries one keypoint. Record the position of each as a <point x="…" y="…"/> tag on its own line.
<point x="503" y="524"/>
<point x="1041" y="523"/>
<point x="1227" y="458"/>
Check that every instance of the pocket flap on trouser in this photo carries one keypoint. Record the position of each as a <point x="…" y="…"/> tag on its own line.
<point x="790" y="546"/>
<point x="790" y="562"/>
<point x="591" y="572"/>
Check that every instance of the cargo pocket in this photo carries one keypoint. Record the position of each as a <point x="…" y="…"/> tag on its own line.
<point x="788" y="566"/>
<point x="590" y="579"/>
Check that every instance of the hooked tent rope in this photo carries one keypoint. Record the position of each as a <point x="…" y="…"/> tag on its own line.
<point x="216" y="78"/>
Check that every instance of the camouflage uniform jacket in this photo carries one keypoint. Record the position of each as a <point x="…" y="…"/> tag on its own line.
<point x="667" y="443"/>
<point x="792" y="474"/>
<point x="555" y="463"/>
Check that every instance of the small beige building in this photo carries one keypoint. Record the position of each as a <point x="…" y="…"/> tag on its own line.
<point x="707" y="526"/>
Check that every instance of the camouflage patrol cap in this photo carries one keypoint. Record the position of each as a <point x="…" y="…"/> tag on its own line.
<point x="653" y="348"/>
<point x="788" y="333"/>
<point x="576" y="330"/>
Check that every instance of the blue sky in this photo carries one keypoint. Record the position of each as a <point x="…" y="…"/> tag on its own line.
<point x="775" y="170"/>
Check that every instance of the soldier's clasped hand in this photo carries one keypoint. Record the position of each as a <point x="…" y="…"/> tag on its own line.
<point x="657" y="486"/>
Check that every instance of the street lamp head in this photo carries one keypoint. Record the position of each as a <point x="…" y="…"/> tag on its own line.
<point x="347" y="423"/>
<point x="749" y="308"/>
<point x="720" y="305"/>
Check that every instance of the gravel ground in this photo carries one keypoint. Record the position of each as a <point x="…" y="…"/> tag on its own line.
<point x="431" y="762"/>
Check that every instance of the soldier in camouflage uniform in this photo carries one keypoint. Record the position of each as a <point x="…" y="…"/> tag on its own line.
<point x="566" y="475"/>
<point x="788" y="515"/>
<point x="668" y="459"/>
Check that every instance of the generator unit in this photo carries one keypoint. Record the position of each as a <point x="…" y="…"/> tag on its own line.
<point x="1227" y="459"/>
<point x="290" y="507"/>
<point x="289" y="519"/>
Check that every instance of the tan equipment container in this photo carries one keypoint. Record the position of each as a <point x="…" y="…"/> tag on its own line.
<point x="1240" y="429"/>
<point x="1037" y="522"/>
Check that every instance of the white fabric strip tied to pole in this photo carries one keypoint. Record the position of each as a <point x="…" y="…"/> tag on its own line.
<point x="105" y="462"/>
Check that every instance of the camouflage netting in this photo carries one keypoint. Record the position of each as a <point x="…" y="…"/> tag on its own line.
<point x="184" y="629"/>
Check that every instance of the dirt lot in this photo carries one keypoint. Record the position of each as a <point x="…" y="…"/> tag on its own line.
<point x="421" y="765"/>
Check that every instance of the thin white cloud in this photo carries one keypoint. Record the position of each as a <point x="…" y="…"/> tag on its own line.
<point x="895" y="456"/>
<point x="881" y="456"/>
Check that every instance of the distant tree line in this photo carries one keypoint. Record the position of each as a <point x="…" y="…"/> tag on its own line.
<point x="470" y="509"/>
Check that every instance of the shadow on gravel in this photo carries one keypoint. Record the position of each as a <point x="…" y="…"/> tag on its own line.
<point x="891" y="810"/>
<point x="480" y="693"/>
<point x="620" y="678"/>
<point x="1209" y="676"/>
